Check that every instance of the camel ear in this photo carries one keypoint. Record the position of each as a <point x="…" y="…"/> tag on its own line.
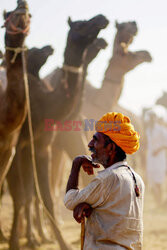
<point x="69" y="22"/>
<point x="6" y="14"/>
<point x="116" y="24"/>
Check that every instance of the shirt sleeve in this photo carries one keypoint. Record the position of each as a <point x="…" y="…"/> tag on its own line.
<point x="91" y="194"/>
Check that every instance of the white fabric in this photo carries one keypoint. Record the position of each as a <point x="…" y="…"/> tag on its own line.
<point x="156" y="165"/>
<point x="116" y="221"/>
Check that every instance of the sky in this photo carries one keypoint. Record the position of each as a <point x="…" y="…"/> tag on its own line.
<point x="49" y="25"/>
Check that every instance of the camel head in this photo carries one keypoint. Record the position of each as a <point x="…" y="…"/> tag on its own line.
<point x="17" y="24"/>
<point x="100" y="43"/>
<point x="93" y="49"/>
<point x="162" y="100"/>
<point x="126" y="32"/>
<point x="83" y="33"/>
<point x="36" y="58"/>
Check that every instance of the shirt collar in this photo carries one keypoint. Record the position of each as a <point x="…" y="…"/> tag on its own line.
<point x="115" y="165"/>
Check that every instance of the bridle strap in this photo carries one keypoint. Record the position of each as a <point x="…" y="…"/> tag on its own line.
<point x="106" y="79"/>
<point x="137" y="190"/>
<point x="72" y="69"/>
<point x="15" y="30"/>
<point x="16" y="52"/>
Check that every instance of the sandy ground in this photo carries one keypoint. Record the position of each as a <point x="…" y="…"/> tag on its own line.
<point x="155" y="226"/>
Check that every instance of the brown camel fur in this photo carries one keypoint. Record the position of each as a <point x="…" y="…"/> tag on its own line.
<point x="37" y="58"/>
<point x="12" y="100"/>
<point x="63" y="138"/>
<point x="99" y="101"/>
<point x="58" y="105"/>
<point x="15" y="188"/>
<point x="121" y="62"/>
<point x="12" y="93"/>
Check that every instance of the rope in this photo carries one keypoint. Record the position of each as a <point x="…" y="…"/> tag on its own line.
<point x="33" y="151"/>
<point x="82" y="232"/>
<point x="16" y="52"/>
<point x="72" y="69"/>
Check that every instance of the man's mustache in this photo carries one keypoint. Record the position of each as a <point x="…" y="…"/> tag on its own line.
<point x="93" y="150"/>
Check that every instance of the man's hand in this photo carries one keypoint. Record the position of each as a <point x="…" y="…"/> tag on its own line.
<point x="86" y="164"/>
<point x="81" y="210"/>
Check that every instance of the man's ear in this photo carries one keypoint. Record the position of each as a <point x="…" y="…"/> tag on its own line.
<point x="111" y="147"/>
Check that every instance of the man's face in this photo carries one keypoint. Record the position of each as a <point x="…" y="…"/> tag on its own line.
<point x="100" y="152"/>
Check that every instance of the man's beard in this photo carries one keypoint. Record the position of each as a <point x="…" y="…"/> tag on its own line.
<point x="103" y="161"/>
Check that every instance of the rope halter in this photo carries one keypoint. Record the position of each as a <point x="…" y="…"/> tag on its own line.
<point x="71" y="69"/>
<point x="16" y="52"/>
<point x="12" y="29"/>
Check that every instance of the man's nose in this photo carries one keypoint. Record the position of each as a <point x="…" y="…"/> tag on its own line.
<point x="90" y="143"/>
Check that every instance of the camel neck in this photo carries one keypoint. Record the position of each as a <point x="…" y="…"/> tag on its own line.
<point x="63" y="99"/>
<point x="111" y="86"/>
<point x="70" y="84"/>
<point x="14" y="96"/>
<point x="117" y="48"/>
<point x="73" y="56"/>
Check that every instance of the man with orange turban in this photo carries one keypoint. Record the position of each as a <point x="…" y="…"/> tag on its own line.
<point x="113" y="201"/>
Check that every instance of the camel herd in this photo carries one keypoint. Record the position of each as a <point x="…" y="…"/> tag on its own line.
<point x="64" y="95"/>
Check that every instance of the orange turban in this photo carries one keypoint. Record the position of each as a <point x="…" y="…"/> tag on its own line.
<point x="119" y="128"/>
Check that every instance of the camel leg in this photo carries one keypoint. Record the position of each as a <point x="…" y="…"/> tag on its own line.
<point x="21" y="186"/>
<point x="28" y="182"/>
<point x="5" y="162"/>
<point x="14" y="239"/>
<point x="17" y="193"/>
<point x="31" y="240"/>
<point x="58" y="161"/>
<point x="2" y="237"/>
<point x="38" y="220"/>
<point x="42" y="159"/>
<point x="57" y="170"/>
<point x="57" y="167"/>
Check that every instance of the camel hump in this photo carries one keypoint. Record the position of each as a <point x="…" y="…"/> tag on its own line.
<point x="3" y="78"/>
<point x="54" y="77"/>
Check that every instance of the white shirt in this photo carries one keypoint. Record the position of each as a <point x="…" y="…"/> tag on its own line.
<point x="117" y="218"/>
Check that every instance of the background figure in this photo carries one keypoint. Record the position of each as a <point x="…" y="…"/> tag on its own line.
<point x="156" y="134"/>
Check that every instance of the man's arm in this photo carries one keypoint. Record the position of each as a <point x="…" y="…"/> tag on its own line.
<point x="87" y="165"/>
<point x="74" y="175"/>
<point x="91" y="194"/>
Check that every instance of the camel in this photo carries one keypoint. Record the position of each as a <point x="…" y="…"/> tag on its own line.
<point x="12" y="99"/>
<point x="33" y="63"/>
<point x="99" y="101"/>
<point x="33" y="68"/>
<point x="45" y="104"/>
<point x="121" y="62"/>
<point x="63" y="138"/>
